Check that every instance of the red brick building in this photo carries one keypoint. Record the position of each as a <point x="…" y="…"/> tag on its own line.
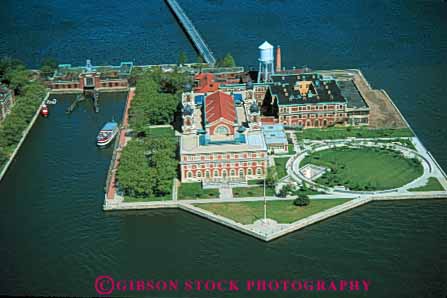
<point x="220" y="114"/>
<point x="222" y="140"/>
<point x="67" y="77"/>
<point x="305" y="100"/>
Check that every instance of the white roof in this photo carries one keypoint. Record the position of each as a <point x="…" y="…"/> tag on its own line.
<point x="189" y="144"/>
<point x="265" y="46"/>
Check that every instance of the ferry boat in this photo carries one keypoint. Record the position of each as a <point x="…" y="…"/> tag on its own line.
<point x="44" y="110"/>
<point x="107" y="133"/>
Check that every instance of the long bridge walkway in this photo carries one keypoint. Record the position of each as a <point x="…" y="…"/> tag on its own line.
<point x="194" y="35"/>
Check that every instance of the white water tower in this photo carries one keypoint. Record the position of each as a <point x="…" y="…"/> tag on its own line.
<point x="265" y="62"/>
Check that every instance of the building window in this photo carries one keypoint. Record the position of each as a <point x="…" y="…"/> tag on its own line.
<point x="232" y="173"/>
<point x="241" y="173"/>
<point x="259" y="171"/>
<point x="224" y="173"/>
<point x="222" y="130"/>
<point x="249" y="172"/>
<point x="199" y="174"/>
<point x="189" y="174"/>
<point x="207" y="174"/>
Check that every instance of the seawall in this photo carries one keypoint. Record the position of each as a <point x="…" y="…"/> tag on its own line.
<point x="24" y="135"/>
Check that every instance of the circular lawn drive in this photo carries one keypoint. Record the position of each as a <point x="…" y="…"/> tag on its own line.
<point x="365" y="169"/>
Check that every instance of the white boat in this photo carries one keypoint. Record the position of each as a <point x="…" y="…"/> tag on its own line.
<point x="107" y="134"/>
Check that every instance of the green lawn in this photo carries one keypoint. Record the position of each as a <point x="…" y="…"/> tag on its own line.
<point x="346" y="132"/>
<point x="280" y="164"/>
<point x="283" y="211"/>
<point x="308" y="192"/>
<point x="291" y="149"/>
<point x="192" y="191"/>
<point x="128" y="199"/>
<point x="256" y="182"/>
<point x="366" y="168"/>
<point x="160" y="132"/>
<point x="432" y="185"/>
<point x="245" y="192"/>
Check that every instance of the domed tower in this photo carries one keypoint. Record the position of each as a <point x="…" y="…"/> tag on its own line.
<point x="187" y="115"/>
<point x="265" y="62"/>
<point x="254" y="112"/>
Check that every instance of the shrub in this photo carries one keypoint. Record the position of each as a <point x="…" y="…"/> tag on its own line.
<point x="285" y="190"/>
<point x="282" y="192"/>
<point x="301" y="200"/>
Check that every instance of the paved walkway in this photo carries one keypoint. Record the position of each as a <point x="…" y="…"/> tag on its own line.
<point x="429" y="166"/>
<point x="225" y="192"/>
<point x="111" y="189"/>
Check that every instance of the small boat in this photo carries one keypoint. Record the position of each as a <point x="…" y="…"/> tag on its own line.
<point x="51" y="102"/>
<point x="107" y="133"/>
<point x="44" y="110"/>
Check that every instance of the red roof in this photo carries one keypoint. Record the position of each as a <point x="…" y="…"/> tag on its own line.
<point x="220" y="105"/>
<point x="205" y="83"/>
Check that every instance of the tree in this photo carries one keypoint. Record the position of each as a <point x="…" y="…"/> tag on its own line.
<point x="228" y="61"/>
<point x="301" y="200"/>
<point x="200" y="59"/>
<point x="134" y="176"/>
<point x="3" y="158"/>
<point x="17" y="78"/>
<point x="285" y="190"/>
<point x="7" y="64"/>
<point x="48" y="67"/>
<point x="182" y="58"/>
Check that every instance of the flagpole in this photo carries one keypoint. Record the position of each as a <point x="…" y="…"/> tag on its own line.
<point x="265" y="205"/>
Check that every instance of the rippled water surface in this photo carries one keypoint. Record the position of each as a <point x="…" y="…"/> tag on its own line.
<point x="54" y="237"/>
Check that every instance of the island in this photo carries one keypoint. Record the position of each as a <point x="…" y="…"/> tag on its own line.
<point x="264" y="152"/>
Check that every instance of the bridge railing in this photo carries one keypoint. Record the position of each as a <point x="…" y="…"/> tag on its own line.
<point x="192" y="31"/>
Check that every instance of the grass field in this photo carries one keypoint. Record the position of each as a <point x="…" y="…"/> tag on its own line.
<point x="245" y="192"/>
<point x="128" y="199"/>
<point x="432" y="185"/>
<point x="160" y="132"/>
<point x="192" y="191"/>
<point x="283" y="211"/>
<point x="365" y="169"/>
<point x="280" y="164"/>
<point x="347" y="132"/>
<point x="291" y="149"/>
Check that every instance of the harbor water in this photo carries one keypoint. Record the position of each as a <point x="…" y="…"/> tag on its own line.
<point x="55" y="238"/>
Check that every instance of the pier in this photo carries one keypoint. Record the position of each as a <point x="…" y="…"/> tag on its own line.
<point x="73" y="105"/>
<point x="192" y="32"/>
